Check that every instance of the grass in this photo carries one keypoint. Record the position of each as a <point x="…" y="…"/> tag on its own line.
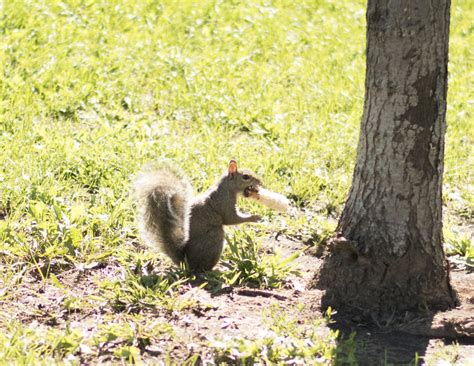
<point x="93" y="90"/>
<point x="288" y="341"/>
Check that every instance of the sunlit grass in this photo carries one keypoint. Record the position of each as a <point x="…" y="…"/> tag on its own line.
<point x="93" y="90"/>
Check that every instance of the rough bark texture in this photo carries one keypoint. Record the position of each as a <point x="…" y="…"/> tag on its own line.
<point x="393" y="258"/>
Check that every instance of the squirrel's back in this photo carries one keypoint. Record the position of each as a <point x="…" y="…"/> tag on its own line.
<point x="163" y="210"/>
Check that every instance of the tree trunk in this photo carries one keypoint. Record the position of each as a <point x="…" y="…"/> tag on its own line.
<point x="393" y="258"/>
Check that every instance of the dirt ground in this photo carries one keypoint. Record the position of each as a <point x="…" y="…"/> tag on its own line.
<point x="238" y="312"/>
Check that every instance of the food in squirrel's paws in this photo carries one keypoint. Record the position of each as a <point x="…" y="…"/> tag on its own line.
<point x="268" y="198"/>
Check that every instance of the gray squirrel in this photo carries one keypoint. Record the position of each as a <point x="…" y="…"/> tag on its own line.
<point x="188" y="228"/>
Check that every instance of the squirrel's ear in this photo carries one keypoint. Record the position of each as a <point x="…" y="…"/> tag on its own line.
<point x="232" y="168"/>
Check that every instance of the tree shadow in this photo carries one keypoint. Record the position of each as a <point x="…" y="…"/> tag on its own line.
<point x="377" y="345"/>
<point x="374" y="345"/>
<point x="410" y="337"/>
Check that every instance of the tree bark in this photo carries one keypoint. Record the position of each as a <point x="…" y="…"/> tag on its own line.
<point x="389" y="255"/>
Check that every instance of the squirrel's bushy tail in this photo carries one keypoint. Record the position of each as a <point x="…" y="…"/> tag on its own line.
<point x="164" y="198"/>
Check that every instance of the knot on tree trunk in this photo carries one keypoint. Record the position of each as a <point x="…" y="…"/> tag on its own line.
<point x="348" y="250"/>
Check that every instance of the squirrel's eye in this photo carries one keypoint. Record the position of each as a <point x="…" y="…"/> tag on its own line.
<point x="246" y="177"/>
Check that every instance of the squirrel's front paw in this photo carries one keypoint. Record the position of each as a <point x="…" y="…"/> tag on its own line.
<point x="255" y="218"/>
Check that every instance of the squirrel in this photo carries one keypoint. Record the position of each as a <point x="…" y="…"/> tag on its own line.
<point x="188" y="228"/>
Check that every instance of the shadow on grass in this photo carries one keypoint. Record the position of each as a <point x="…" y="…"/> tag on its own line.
<point x="378" y="346"/>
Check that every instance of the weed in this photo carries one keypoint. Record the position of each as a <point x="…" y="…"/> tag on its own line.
<point x="288" y="341"/>
<point x="460" y="245"/>
<point x="247" y="264"/>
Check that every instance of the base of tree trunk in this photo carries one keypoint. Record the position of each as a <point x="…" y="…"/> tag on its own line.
<point x="381" y="287"/>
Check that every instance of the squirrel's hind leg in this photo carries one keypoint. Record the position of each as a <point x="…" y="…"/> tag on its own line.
<point x="203" y="253"/>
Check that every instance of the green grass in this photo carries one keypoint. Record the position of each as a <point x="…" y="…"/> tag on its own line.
<point x="93" y="90"/>
<point x="288" y="341"/>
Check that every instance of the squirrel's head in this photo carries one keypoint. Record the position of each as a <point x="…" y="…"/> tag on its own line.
<point x="241" y="179"/>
